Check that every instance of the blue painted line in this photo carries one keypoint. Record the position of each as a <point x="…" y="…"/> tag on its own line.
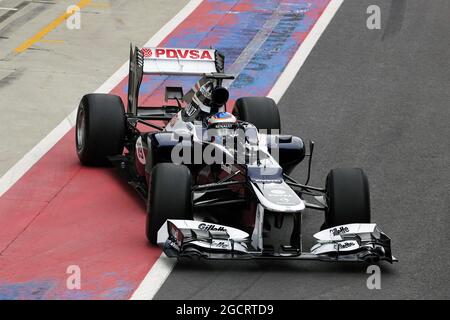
<point x="261" y="70"/>
<point x="35" y="290"/>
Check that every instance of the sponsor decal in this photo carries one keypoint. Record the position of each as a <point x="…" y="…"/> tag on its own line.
<point x="146" y="52"/>
<point x="191" y="109"/>
<point x="345" y="245"/>
<point x="164" y="53"/>
<point x="210" y="227"/>
<point x="336" y="232"/>
<point x="220" y="244"/>
<point x="140" y="153"/>
<point x="225" y="125"/>
<point x="204" y="90"/>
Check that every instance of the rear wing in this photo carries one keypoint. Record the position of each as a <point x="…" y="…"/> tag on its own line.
<point x="169" y="61"/>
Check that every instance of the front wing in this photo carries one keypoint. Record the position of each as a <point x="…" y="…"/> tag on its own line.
<point x="195" y="239"/>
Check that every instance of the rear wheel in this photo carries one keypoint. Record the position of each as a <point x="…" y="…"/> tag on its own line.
<point x="348" y="197"/>
<point x="262" y="112"/>
<point x="100" y="128"/>
<point x="169" y="197"/>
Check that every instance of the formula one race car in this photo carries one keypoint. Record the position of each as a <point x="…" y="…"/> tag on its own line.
<point x="217" y="184"/>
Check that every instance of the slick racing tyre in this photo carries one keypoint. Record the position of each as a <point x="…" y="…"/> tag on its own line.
<point x="100" y="128"/>
<point x="348" y="197"/>
<point x="262" y="112"/>
<point x="169" y="197"/>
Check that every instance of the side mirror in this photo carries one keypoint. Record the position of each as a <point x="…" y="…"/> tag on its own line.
<point x="311" y="150"/>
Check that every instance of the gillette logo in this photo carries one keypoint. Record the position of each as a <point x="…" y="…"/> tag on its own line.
<point x="210" y="227"/>
<point x="221" y="245"/>
<point x="336" y="232"/>
<point x="345" y="245"/>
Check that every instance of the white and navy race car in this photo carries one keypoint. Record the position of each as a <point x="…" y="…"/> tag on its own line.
<point x="217" y="184"/>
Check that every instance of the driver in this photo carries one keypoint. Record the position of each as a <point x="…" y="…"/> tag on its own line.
<point x="221" y="125"/>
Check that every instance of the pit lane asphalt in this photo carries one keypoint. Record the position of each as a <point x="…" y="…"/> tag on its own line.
<point x="377" y="99"/>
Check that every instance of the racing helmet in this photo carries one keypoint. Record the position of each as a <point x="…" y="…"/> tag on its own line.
<point x="220" y="125"/>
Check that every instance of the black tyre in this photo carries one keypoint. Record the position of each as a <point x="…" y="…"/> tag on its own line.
<point x="169" y="197"/>
<point x="348" y="197"/>
<point x="100" y="128"/>
<point x="262" y="112"/>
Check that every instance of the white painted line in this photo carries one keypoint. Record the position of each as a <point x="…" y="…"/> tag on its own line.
<point x="291" y="70"/>
<point x="163" y="266"/>
<point x="33" y="156"/>
<point x="155" y="278"/>
<point x="8" y="9"/>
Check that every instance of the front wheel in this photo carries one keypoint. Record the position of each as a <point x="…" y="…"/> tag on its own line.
<point x="169" y="197"/>
<point x="348" y="197"/>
